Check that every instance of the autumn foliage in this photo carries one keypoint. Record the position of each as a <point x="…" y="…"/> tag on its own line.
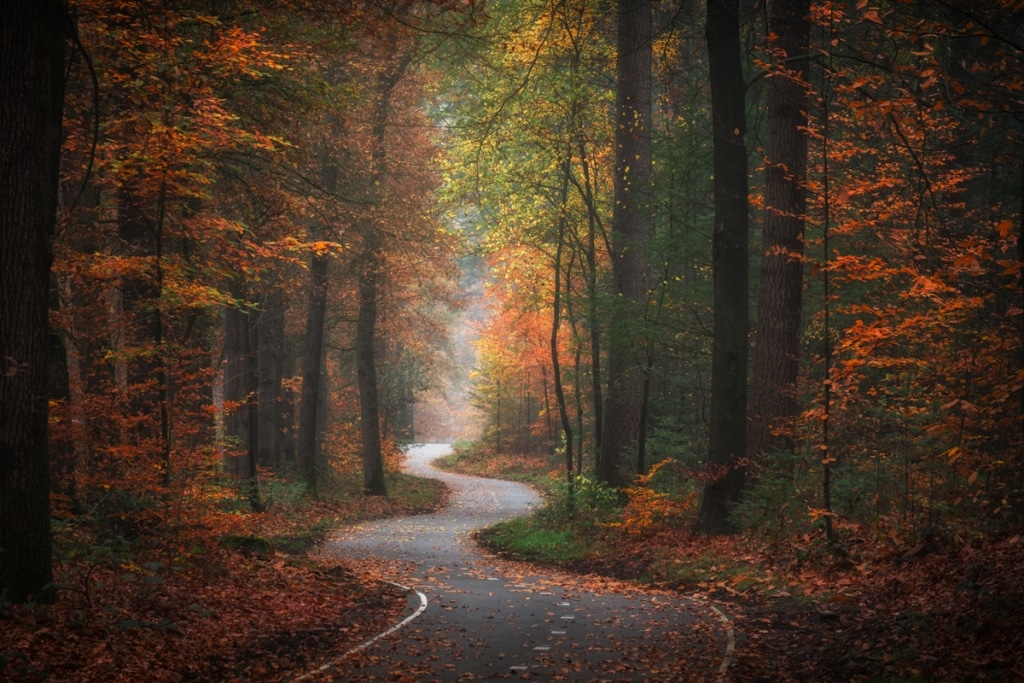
<point x="213" y="155"/>
<point x="904" y="442"/>
<point x="910" y="382"/>
<point x="261" y="212"/>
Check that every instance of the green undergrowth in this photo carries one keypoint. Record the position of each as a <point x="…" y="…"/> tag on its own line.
<point x="589" y="527"/>
<point x="297" y="524"/>
<point x="523" y="538"/>
<point x="589" y="541"/>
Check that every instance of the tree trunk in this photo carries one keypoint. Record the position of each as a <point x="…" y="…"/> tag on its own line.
<point x="237" y="382"/>
<point x="63" y="457"/>
<point x="728" y="422"/>
<point x="586" y="190"/>
<point x="369" y="282"/>
<point x="366" y="370"/>
<point x="31" y="102"/>
<point x="630" y="235"/>
<point x="290" y="405"/>
<point x="556" y="322"/>
<point x="306" y="454"/>
<point x="270" y="372"/>
<point x="773" y="402"/>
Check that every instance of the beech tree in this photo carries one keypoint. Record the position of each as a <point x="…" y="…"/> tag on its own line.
<point x="728" y="418"/>
<point x="773" y="399"/>
<point x="32" y="66"/>
<point x="627" y="360"/>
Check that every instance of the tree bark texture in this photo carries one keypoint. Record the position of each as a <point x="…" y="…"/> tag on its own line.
<point x="31" y="102"/>
<point x="316" y="312"/>
<point x="620" y="436"/>
<point x="728" y="420"/>
<point x="556" y="323"/>
<point x="369" y="285"/>
<point x="773" y="400"/>
<point x="366" y="369"/>
<point x="270" y="374"/>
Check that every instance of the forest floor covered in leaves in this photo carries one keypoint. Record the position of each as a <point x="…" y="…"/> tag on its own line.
<point x="250" y="606"/>
<point x="945" y="613"/>
<point x="945" y="608"/>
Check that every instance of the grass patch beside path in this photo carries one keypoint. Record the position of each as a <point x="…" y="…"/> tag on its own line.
<point x="879" y="613"/>
<point x="523" y="539"/>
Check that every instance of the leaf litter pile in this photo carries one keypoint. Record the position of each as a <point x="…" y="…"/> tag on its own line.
<point x="234" y="612"/>
<point x="944" y="610"/>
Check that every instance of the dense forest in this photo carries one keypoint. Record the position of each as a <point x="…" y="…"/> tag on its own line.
<point x="741" y="271"/>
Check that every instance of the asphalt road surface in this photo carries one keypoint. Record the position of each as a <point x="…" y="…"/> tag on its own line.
<point x="472" y="616"/>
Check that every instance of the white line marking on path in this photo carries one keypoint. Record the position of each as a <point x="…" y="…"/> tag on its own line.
<point x="384" y="634"/>
<point x="730" y="638"/>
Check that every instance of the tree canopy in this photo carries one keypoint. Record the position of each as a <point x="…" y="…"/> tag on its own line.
<point x="245" y="247"/>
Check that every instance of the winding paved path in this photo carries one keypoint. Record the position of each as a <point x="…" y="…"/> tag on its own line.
<point x="474" y="617"/>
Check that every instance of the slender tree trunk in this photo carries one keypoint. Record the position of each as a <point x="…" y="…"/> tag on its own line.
<point x="270" y="371"/>
<point x="306" y="447"/>
<point x="290" y="406"/>
<point x="251" y="476"/>
<point x="366" y="368"/>
<point x="240" y="388"/>
<point x="63" y="456"/>
<point x="630" y="235"/>
<point x="773" y="401"/>
<point x="236" y="421"/>
<point x="548" y="423"/>
<point x="497" y="434"/>
<point x="369" y="285"/>
<point x="31" y="104"/>
<point x="556" y="322"/>
<point x="728" y="423"/>
<point x="586" y="190"/>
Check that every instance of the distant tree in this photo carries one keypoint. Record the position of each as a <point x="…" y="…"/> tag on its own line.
<point x="32" y="36"/>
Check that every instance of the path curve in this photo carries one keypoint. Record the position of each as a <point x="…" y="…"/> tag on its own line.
<point x="487" y="619"/>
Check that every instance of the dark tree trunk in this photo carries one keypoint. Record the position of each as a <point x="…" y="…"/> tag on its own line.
<point x="289" y="406"/>
<point x="306" y="446"/>
<point x="240" y="387"/>
<point x="237" y="388"/>
<point x="728" y="422"/>
<point x="63" y="458"/>
<point x="556" y="322"/>
<point x="369" y="284"/>
<point x="586" y="190"/>
<point x="270" y="372"/>
<point x="630" y="235"/>
<point x="366" y="369"/>
<point x="773" y="401"/>
<point x="31" y="102"/>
